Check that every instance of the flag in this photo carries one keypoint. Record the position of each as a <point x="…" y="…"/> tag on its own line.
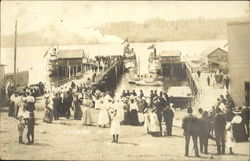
<point x="126" y="40"/>
<point x="151" y="47"/>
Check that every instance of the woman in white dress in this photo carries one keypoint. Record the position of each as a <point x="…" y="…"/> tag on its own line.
<point x="230" y="142"/>
<point x="22" y="112"/>
<point x="86" y="116"/>
<point x="120" y="110"/>
<point x="146" y="113"/>
<point x="154" y="126"/>
<point x="103" y="117"/>
<point x="115" y="124"/>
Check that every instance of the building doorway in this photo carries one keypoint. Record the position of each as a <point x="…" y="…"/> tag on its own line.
<point x="247" y="93"/>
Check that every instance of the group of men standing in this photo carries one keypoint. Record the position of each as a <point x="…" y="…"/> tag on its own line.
<point x="222" y="126"/>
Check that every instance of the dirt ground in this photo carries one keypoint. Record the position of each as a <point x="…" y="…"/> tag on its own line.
<point x="70" y="140"/>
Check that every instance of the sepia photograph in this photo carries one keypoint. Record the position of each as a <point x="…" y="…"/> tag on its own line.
<point x="124" y="80"/>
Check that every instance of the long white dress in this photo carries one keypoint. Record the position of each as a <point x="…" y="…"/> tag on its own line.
<point x="153" y="123"/>
<point x="86" y="117"/>
<point x="120" y="110"/>
<point x="146" y="122"/>
<point x="103" y="117"/>
<point x="229" y="139"/>
<point x="115" y="124"/>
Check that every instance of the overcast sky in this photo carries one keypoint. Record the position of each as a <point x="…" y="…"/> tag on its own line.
<point x="34" y="15"/>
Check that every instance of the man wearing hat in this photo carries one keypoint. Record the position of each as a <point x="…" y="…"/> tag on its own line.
<point x="219" y="128"/>
<point x="191" y="127"/>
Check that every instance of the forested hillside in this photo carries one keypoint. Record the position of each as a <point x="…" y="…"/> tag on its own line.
<point x="162" y="30"/>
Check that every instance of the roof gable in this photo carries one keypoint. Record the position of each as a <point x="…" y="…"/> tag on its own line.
<point x="167" y="53"/>
<point x="70" y="54"/>
<point x="211" y="50"/>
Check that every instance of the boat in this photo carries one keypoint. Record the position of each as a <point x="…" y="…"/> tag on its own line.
<point x="51" y="57"/>
<point x="149" y="79"/>
<point x="129" y="57"/>
<point x="154" y="63"/>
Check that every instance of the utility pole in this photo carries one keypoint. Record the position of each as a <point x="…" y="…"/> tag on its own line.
<point x="15" y="55"/>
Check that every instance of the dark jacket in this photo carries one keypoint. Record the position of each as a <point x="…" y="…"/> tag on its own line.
<point x="205" y="125"/>
<point x="219" y="123"/>
<point x="191" y="125"/>
<point x="168" y="114"/>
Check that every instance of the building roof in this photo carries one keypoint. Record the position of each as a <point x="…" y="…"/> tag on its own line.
<point x="69" y="54"/>
<point x="166" y="53"/>
<point x="245" y="20"/>
<point x="211" y="50"/>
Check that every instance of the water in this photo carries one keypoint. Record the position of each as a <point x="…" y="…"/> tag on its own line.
<point x="31" y="58"/>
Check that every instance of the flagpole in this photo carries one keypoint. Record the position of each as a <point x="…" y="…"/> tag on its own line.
<point x="15" y="43"/>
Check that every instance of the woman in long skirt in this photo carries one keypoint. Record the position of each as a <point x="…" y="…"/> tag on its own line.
<point x="86" y="117"/>
<point x="126" y="109"/>
<point x="239" y="131"/>
<point x="134" y="120"/>
<point x="103" y="117"/>
<point x="115" y="124"/>
<point x="119" y="106"/>
<point x="48" y="116"/>
<point x="77" y="105"/>
<point x="146" y="113"/>
<point x="154" y="126"/>
<point x="230" y="142"/>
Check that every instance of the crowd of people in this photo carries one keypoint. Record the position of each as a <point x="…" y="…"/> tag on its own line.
<point x="225" y="124"/>
<point x="22" y="107"/>
<point x="129" y="108"/>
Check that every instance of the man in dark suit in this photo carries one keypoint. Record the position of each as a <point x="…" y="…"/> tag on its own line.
<point x="219" y="128"/>
<point x="168" y="115"/>
<point x="204" y="132"/>
<point x="191" y="127"/>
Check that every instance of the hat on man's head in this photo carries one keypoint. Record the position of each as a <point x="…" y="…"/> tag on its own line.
<point x="237" y="111"/>
<point x="189" y="110"/>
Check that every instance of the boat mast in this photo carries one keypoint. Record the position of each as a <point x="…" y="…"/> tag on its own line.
<point x="14" y="79"/>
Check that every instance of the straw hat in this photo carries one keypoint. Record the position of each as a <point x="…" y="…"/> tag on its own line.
<point x="237" y="111"/>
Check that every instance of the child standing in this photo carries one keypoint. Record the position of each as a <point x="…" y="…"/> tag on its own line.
<point x="20" y="127"/>
<point x="229" y="137"/>
<point x="31" y="126"/>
